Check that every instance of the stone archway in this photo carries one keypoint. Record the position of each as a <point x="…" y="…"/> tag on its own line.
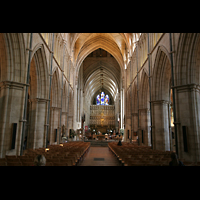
<point x="55" y="108"/>
<point x="161" y="100"/>
<point x="37" y="101"/>
<point x="145" y="109"/>
<point x="188" y="94"/>
<point x="12" y="79"/>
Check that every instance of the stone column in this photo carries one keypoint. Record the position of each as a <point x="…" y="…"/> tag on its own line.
<point x="145" y="126"/>
<point x="55" y="117"/>
<point x="64" y="121"/>
<point x="188" y="106"/>
<point x="128" y="127"/>
<point x="4" y="94"/>
<point x="170" y="129"/>
<point x="11" y="108"/>
<point x="33" y="124"/>
<point x="75" y="126"/>
<point x="121" y="107"/>
<point x="134" y="125"/>
<point x="36" y="134"/>
<point x="41" y="116"/>
<point x="161" y="139"/>
<point x="51" y="125"/>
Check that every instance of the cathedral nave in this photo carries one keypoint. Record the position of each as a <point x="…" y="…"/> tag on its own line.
<point x="137" y="88"/>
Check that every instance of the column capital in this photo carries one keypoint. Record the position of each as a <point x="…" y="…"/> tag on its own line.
<point x="13" y="84"/>
<point x="182" y="88"/>
<point x="39" y="100"/>
<point x="160" y="102"/>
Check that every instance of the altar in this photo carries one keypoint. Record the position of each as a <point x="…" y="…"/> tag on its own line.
<point x="101" y="137"/>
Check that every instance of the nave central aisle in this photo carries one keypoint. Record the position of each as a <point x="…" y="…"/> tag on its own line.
<point x="100" y="156"/>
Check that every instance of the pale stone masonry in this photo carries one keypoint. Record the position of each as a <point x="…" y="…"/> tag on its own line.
<point x="85" y="63"/>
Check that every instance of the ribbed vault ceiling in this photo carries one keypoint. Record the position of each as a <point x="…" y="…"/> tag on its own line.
<point x="101" y="75"/>
<point x="116" y="44"/>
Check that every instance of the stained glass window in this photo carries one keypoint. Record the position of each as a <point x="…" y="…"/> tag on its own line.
<point x="98" y="99"/>
<point x="102" y="99"/>
<point x="107" y="100"/>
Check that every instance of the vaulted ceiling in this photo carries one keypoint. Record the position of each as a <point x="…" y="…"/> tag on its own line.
<point x="116" y="44"/>
<point x="101" y="73"/>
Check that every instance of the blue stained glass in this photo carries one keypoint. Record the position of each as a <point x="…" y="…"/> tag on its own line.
<point x="107" y="100"/>
<point x="102" y="98"/>
<point x="98" y="99"/>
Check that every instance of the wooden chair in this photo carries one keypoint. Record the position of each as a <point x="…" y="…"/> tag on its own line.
<point x="59" y="164"/>
<point x="11" y="158"/>
<point x="14" y="163"/>
<point x="26" y="159"/>
<point x="27" y="163"/>
<point x="68" y="161"/>
<point x="49" y="163"/>
<point x="31" y="154"/>
<point x="58" y="156"/>
<point x="3" y="162"/>
<point x="53" y="160"/>
<point x="135" y="164"/>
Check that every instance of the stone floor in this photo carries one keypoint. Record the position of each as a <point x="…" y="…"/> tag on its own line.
<point x="99" y="156"/>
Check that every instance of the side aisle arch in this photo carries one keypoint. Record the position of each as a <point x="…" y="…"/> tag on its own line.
<point x="188" y="94"/>
<point x="55" y="106"/>
<point x="145" y="109"/>
<point x="37" y="98"/>
<point x="161" y="99"/>
<point x="12" y="79"/>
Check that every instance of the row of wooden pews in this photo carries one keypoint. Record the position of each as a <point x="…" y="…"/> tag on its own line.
<point x="134" y="155"/>
<point x="67" y="154"/>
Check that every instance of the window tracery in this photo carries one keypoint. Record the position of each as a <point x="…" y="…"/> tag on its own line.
<point x="102" y="99"/>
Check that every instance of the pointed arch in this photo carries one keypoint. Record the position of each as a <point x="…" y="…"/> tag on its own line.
<point x="129" y="103"/>
<point x="65" y="92"/>
<point x="13" y="57"/>
<point x="103" y="43"/>
<point x="55" y="90"/>
<point x="33" y="79"/>
<point x="160" y="100"/>
<point x="134" y="98"/>
<point x="161" y="75"/>
<point x="187" y="59"/>
<point x="39" y="62"/>
<point x="71" y="102"/>
<point x="4" y="61"/>
<point x="12" y="74"/>
<point x="144" y="94"/>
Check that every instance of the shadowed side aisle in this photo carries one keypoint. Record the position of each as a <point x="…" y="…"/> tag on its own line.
<point x="100" y="156"/>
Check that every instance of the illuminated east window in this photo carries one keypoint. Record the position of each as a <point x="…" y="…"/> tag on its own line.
<point x="106" y="100"/>
<point x="102" y="99"/>
<point x="98" y="99"/>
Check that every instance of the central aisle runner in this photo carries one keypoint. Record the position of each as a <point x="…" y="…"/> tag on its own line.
<point x="100" y="156"/>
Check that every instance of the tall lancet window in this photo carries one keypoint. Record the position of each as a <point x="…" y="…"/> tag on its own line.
<point x="106" y="100"/>
<point x="102" y="98"/>
<point x="98" y="99"/>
